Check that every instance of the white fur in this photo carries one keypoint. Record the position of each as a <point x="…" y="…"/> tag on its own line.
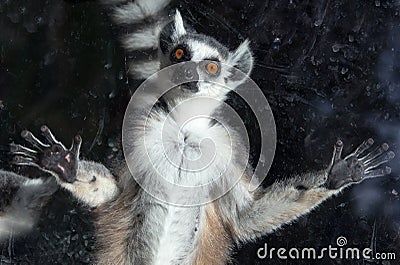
<point x="17" y="218"/>
<point x="94" y="185"/>
<point x="201" y="51"/>
<point x="143" y="70"/>
<point x="158" y="156"/>
<point x="240" y="53"/>
<point x="143" y="39"/>
<point x="178" y="232"/>
<point x="179" y="27"/>
<point x="163" y="145"/>
<point x="14" y="222"/>
<point x="138" y="10"/>
<point x="33" y="182"/>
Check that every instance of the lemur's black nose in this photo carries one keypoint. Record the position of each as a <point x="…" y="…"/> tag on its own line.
<point x="186" y="75"/>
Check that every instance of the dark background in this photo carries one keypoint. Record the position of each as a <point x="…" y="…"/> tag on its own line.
<point x="330" y="69"/>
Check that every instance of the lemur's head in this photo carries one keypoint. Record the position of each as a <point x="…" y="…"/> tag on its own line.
<point x="206" y="58"/>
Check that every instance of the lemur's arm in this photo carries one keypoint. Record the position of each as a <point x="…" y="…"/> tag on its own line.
<point x="285" y="201"/>
<point x="21" y="200"/>
<point x="90" y="182"/>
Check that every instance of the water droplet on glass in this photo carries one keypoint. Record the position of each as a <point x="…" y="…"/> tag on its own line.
<point x="333" y="59"/>
<point x="318" y="23"/>
<point x="351" y="38"/>
<point x="30" y="27"/>
<point x="22" y="10"/>
<point x="276" y="43"/>
<point x="39" y="20"/>
<point x="121" y="75"/>
<point x="112" y="94"/>
<point x="377" y="3"/>
<point x="344" y="70"/>
<point x="50" y="57"/>
<point x="14" y="17"/>
<point x="335" y="47"/>
<point x="313" y="60"/>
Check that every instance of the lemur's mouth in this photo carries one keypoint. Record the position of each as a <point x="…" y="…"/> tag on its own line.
<point x="191" y="86"/>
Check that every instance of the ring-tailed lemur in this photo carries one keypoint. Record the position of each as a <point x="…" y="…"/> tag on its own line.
<point x="133" y="227"/>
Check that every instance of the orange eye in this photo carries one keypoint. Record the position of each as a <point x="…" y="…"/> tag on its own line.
<point x="179" y="54"/>
<point x="212" y="68"/>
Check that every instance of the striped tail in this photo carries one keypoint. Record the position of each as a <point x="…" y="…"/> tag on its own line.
<point x="143" y="21"/>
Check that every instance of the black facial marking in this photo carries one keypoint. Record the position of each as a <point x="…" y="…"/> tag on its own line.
<point x="186" y="54"/>
<point x="191" y="86"/>
<point x="165" y="37"/>
<point x="214" y="59"/>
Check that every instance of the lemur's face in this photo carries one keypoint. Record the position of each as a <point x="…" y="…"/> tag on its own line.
<point x="207" y="62"/>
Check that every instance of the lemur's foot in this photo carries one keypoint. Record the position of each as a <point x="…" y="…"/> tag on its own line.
<point x="51" y="157"/>
<point x="359" y="165"/>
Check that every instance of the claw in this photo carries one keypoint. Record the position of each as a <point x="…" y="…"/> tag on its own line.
<point x="17" y="149"/>
<point x="29" y="137"/>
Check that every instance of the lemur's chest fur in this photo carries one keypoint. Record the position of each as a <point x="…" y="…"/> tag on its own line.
<point x="162" y="234"/>
<point x="183" y="231"/>
<point x="167" y="233"/>
<point x="187" y="235"/>
<point x="178" y="232"/>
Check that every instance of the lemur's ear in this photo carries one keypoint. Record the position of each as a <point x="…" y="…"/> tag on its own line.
<point x="241" y="61"/>
<point x="179" y="28"/>
<point x="242" y="58"/>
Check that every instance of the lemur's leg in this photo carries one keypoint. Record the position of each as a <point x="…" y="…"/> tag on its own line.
<point x="284" y="201"/>
<point x="90" y="182"/>
<point x="21" y="201"/>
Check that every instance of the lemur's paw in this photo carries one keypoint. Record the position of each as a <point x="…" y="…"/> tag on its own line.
<point x="51" y="157"/>
<point x="359" y="165"/>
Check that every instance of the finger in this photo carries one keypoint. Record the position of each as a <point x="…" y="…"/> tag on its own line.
<point x="380" y="172"/>
<point x="337" y="150"/>
<point x="362" y="148"/>
<point x="17" y="149"/>
<point x="377" y="152"/>
<point x="49" y="136"/>
<point x="380" y="160"/>
<point x="24" y="161"/>
<point x="29" y="137"/>
<point x="76" y="145"/>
